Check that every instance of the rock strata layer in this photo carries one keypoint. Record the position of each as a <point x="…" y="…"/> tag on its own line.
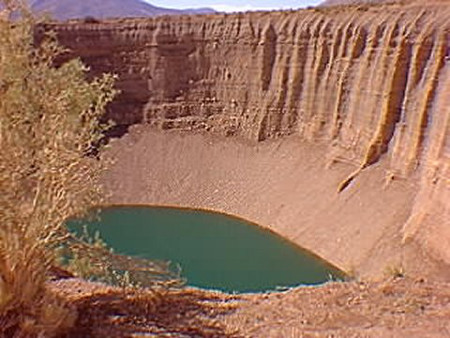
<point x="372" y="83"/>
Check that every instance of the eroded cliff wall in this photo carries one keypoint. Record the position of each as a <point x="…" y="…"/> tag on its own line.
<point x="369" y="82"/>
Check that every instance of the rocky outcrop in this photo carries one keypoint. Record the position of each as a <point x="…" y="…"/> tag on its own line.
<point x="371" y="83"/>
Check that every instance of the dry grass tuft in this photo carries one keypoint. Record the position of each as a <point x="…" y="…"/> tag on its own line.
<point x="159" y="313"/>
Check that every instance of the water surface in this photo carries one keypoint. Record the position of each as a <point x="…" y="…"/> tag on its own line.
<point x="214" y="250"/>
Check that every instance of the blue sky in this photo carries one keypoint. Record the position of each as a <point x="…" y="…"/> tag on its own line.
<point x="235" y="5"/>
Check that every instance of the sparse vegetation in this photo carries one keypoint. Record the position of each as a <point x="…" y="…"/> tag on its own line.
<point x="90" y="258"/>
<point x="395" y="271"/>
<point x="49" y="121"/>
<point x="351" y="273"/>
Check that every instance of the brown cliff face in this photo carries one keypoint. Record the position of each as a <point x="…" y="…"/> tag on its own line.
<point x="369" y="82"/>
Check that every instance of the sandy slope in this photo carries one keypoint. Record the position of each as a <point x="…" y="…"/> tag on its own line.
<point x="283" y="185"/>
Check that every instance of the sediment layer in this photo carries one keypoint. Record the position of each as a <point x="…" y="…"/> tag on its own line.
<point x="370" y="83"/>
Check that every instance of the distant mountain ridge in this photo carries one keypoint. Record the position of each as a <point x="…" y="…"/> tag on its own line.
<point x="102" y="9"/>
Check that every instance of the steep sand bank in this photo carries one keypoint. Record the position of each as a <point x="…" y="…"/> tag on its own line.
<point x="281" y="184"/>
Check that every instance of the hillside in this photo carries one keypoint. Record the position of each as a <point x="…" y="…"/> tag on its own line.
<point x="71" y="9"/>
<point x="367" y="89"/>
<point x="328" y="126"/>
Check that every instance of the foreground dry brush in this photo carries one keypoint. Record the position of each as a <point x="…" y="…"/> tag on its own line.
<point x="50" y="126"/>
<point x="49" y="121"/>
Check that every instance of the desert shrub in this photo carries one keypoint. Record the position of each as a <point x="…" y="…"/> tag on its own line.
<point x="49" y="121"/>
<point x="90" y="258"/>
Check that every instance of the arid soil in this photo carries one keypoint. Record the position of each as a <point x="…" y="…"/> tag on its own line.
<point x="394" y="307"/>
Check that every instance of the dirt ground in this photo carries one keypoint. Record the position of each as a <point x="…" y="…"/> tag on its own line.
<point x="395" y="307"/>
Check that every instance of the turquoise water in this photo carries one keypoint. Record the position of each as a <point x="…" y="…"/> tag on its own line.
<point x="214" y="251"/>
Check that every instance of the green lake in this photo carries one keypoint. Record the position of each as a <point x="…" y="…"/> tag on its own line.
<point x="214" y="251"/>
